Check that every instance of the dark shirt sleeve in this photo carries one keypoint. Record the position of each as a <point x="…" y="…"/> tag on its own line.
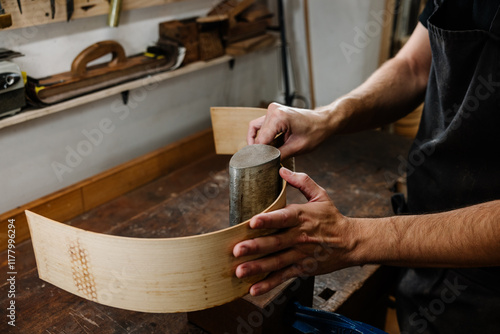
<point x="427" y="12"/>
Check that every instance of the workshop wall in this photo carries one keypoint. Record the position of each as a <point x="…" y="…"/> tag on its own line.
<point x="33" y="154"/>
<point x="345" y="44"/>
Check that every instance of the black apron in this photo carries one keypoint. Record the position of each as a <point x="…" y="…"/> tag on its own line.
<point x="455" y="162"/>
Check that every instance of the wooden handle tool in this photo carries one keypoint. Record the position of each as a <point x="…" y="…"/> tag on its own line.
<point x="96" y="51"/>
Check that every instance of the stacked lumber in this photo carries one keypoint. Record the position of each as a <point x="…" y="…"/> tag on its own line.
<point x="234" y="27"/>
<point x="246" y="25"/>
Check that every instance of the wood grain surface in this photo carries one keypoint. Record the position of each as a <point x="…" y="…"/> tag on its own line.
<point x="38" y="12"/>
<point x="164" y="275"/>
<point x="230" y="126"/>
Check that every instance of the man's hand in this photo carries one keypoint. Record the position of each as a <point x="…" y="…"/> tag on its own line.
<point x="314" y="238"/>
<point x="303" y="129"/>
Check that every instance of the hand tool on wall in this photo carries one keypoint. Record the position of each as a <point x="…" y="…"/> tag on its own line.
<point x="115" y="8"/>
<point x="19" y="5"/>
<point x="70" y="8"/>
<point x="83" y="79"/>
<point x="5" y="19"/>
<point x="53" y="8"/>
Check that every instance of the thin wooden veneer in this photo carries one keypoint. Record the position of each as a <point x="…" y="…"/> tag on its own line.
<point x="143" y="274"/>
<point x="152" y="275"/>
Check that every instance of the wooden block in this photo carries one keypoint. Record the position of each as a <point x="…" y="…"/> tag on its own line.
<point x="258" y="315"/>
<point x="250" y="45"/>
<point x="231" y="8"/>
<point x="258" y="11"/>
<point x="184" y="32"/>
<point x="244" y="30"/>
<point x="230" y="126"/>
<point x="210" y="44"/>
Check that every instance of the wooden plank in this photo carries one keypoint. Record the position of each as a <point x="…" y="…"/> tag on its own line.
<point x="250" y="45"/>
<point x="120" y="182"/>
<point x="74" y="200"/>
<point x="162" y="275"/>
<point x="309" y="54"/>
<point x="230" y="126"/>
<point x="38" y="12"/>
<point x="386" y="38"/>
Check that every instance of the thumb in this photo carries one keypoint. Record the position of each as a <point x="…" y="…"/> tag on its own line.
<point x="310" y="189"/>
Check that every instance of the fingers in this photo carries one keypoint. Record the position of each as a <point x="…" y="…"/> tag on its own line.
<point x="285" y="218"/>
<point x="253" y="128"/>
<point x="287" y="150"/>
<point x="271" y="126"/>
<point x="275" y="279"/>
<point x="310" y="189"/>
<point x="266" y="245"/>
<point x="269" y="264"/>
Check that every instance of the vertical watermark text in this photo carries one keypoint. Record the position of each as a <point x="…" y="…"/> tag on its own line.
<point x="11" y="273"/>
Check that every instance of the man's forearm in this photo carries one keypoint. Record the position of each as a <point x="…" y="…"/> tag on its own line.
<point x="467" y="237"/>
<point x="391" y="92"/>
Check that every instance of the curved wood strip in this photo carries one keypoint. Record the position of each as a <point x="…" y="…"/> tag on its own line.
<point x="148" y="275"/>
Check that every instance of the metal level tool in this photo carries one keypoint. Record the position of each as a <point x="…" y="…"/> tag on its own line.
<point x="254" y="181"/>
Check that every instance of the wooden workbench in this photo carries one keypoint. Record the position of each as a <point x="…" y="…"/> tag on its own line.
<point x="352" y="168"/>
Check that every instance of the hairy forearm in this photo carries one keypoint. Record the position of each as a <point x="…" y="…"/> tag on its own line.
<point x="390" y="93"/>
<point x="467" y="237"/>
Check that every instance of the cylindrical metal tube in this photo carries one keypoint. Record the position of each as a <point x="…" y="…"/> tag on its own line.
<point x="114" y="13"/>
<point x="254" y="181"/>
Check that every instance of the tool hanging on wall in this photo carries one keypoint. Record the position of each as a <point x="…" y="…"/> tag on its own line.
<point x="5" y="19"/>
<point x="84" y="79"/>
<point x="115" y="8"/>
<point x="53" y="8"/>
<point x="20" y="7"/>
<point x="70" y="8"/>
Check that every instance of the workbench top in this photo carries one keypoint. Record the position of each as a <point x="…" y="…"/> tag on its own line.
<point x="356" y="170"/>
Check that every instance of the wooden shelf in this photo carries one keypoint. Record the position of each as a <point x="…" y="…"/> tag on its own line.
<point x="38" y="12"/>
<point x="32" y="113"/>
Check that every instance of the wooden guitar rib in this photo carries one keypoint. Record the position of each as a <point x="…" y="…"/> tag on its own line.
<point x="148" y="275"/>
<point x="143" y="274"/>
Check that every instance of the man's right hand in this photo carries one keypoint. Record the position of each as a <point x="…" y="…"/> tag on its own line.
<point x="303" y="129"/>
